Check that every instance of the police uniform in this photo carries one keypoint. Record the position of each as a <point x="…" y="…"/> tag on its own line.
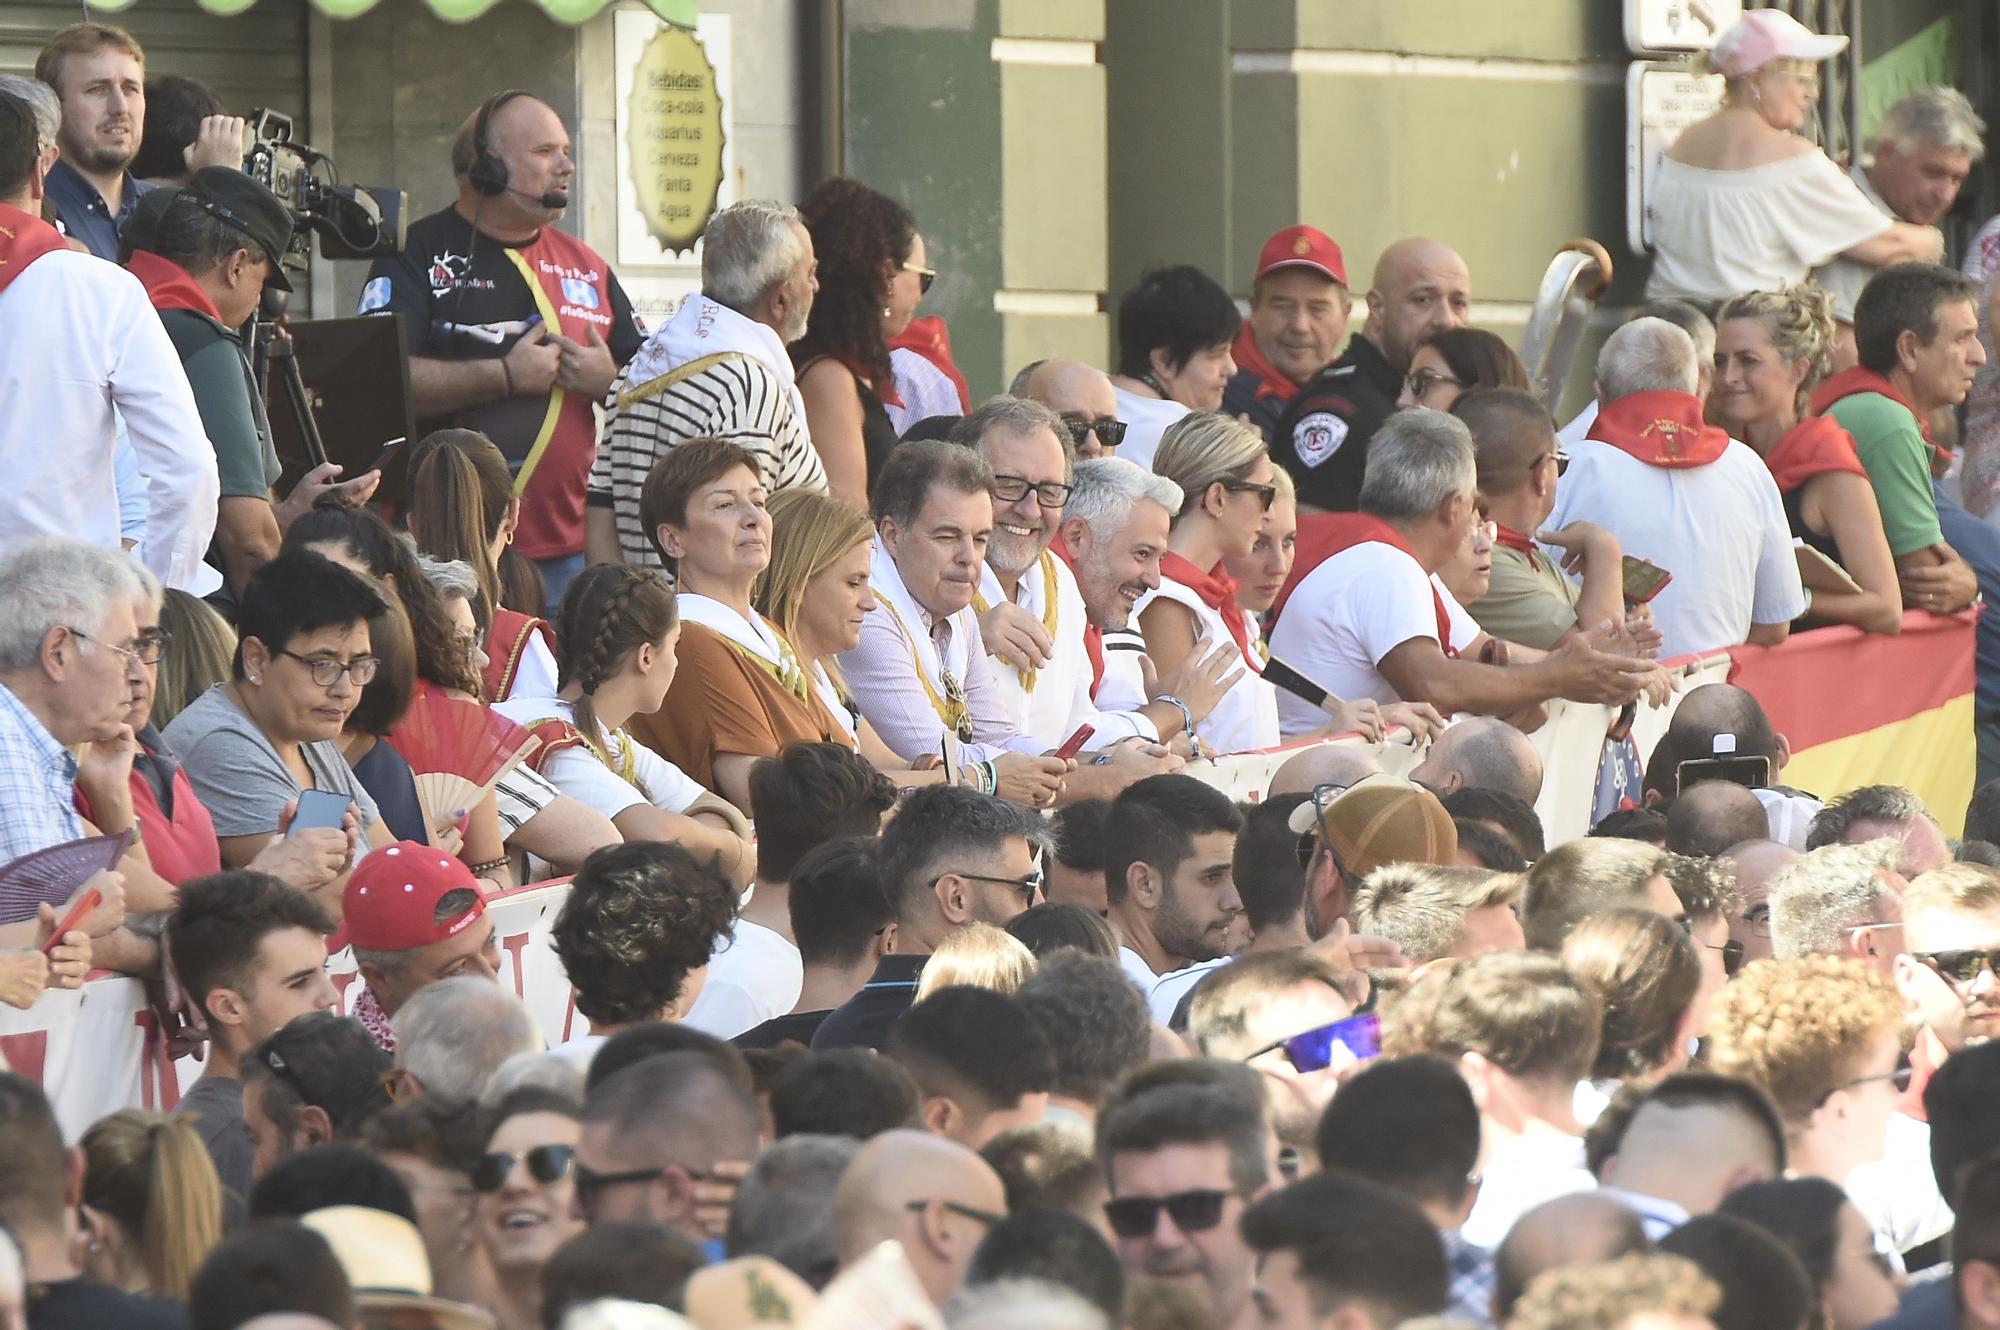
<point x="1322" y="439"/>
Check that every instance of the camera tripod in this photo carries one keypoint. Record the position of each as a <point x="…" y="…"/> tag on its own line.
<point x="271" y="349"/>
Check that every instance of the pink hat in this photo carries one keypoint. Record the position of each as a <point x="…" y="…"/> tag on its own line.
<point x="1764" y="35"/>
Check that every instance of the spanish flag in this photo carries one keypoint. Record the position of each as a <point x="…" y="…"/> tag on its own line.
<point x="1863" y="709"/>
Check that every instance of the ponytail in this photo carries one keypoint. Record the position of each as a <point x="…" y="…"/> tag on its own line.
<point x="609" y="611"/>
<point x="153" y="1177"/>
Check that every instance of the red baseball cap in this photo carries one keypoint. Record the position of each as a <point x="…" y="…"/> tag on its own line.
<point x="1302" y="247"/>
<point x="391" y="899"/>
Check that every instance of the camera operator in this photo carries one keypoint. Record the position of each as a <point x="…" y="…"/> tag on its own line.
<point x="99" y="72"/>
<point x="516" y="329"/>
<point x="87" y="344"/>
<point x="186" y="129"/>
<point x="205" y="253"/>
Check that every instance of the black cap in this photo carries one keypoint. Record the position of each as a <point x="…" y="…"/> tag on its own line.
<point x="245" y="204"/>
<point x="330" y="1062"/>
<point x="142" y="226"/>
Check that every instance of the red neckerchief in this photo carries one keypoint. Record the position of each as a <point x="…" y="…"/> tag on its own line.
<point x="1323" y="535"/>
<point x="1093" y="636"/>
<point x="1660" y="429"/>
<point x="1813" y="447"/>
<point x="1217" y="591"/>
<point x="929" y="338"/>
<point x="169" y="286"/>
<point x="1508" y="538"/>
<point x="368" y="1011"/>
<point x="1852" y="382"/>
<point x="24" y="238"/>
<point x="885" y="392"/>
<point x="1271" y="381"/>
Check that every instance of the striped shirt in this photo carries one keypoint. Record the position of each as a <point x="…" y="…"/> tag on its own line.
<point x="734" y="397"/>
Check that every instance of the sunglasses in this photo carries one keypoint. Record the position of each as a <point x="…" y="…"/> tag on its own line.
<point x="1312" y="1051"/>
<point x="1899" y="1081"/>
<point x="1561" y="459"/>
<point x="546" y="1164"/>
<point x="1029" y="886"/>
<point x="1191" y="1211"/>
<point x="1266" y="494"/>
<point x="925" y="276"/>
<point x="1962" y="967"/>
<point x="1110" y="430"/>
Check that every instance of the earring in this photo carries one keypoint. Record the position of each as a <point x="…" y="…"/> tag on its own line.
<point x="885" y="311"/>
<point x="257" y="679"/>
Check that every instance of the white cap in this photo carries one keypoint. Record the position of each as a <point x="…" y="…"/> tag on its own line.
<point x="1764" y="35"/>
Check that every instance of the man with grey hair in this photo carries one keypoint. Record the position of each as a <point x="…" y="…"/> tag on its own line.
<point x="1032" y="615"/>
<point x="1481" y="753"/>
<point x="717" y="369"/>
<point x="1841" y="900"/>
<point x="1684" y="496"/>
<point x="1082" y="396"/>
<point x="783" y="1208"/>
<point x="1364" y="617"/>
<point x="1922" y="153"/>
<point x="453" y="1035"/>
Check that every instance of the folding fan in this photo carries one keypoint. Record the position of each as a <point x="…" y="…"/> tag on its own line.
<point x="53" y="874"/>
<point x="458" y="752"/>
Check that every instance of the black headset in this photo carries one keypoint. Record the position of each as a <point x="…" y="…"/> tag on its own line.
<point x="489" y="173"/>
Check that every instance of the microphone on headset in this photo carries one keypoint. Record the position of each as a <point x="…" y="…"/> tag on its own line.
<point x="553" y="199"/>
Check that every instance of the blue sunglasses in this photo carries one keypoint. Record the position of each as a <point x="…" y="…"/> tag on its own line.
<point x="1313" y="1051"/>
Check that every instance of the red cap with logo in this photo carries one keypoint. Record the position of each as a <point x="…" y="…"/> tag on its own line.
<point x="392" y="896"/>
<point x="1302" y="247"/>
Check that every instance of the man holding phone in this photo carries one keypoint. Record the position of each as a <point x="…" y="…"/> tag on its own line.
<point x="205" y="254"/>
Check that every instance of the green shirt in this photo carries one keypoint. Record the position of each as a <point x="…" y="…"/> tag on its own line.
<point x="225" y="394"/>
<point x="1898" y="462"/>
<point x="1530" y="601"/>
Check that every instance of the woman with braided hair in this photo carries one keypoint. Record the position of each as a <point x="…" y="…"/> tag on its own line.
<point x="1771" y="350"/>
<point x="618" y="629"/>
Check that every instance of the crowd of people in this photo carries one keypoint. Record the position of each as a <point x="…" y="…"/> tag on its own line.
<point x="865" y="732"/>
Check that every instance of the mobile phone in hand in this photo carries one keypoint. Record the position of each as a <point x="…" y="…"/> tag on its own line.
<point x="1074" y="744"/>
<point x="89" y="901"/>
<point x="1644" y="580"/>
<point x="318" y="808"/>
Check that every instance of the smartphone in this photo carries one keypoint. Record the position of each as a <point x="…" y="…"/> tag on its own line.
<point x="1074" y="744"/>
<point x="319" y="808"/>
<point x="1821" y="573"/>
<point x="1643" y="580"/>
<point x="383" y="458"/>
<point x="89" y="901"/>
<point x="1738" y="769"/>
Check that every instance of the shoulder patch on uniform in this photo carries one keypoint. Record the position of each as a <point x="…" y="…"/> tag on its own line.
<point x="374" y="296"/>
<point x="1317" y="437"/>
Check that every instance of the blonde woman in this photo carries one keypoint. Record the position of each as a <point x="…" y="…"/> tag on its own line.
<point x="152" y="1205"/>
<point x="981" y="956"/>
<point x="1647" y="975"/>
<point x="1230" y="487"/>
<point x="1772" y="348"/>
<point x="200" y="645"/>
<point x="1742" y="201"/>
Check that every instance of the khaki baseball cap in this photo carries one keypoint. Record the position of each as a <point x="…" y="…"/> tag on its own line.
<point x="1380" y="819"/>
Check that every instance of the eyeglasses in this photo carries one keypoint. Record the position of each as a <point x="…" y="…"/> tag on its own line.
<point x="1962" y="967"/>
<point x="1191" y="1211"/>
<point x="1312" y="1051"/>
<point x="925" y="276"/>
<point x="1486" y="531"/>
<point x="1422" y="381"/>
<point x="1029" y="886"/>
<point x="146" y="649"/>
<point x="326" y="671"/>
<point x="1110" y="430"/>
<point x="1759" y="919"/>
<point x="1561" y="459"/>
<point x="546" y="1164"/>
<point x="1266" y="494"/>
<point x="1322" y="799"/>
<point x="1732" y="955"/>
<point x="1049" y="493"/>
<point x="590" y="1184"/>
<point x="1899" y="1081"/>
<point x="986" y="1217"/>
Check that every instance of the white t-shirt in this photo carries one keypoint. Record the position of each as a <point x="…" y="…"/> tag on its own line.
<point x="751" y="977"/>
<point x="1059" y="700"/>
<point x="1717" y="233"/>
<point x="535" y="673"/>
<point x="1136" y="969"/>
<point x="1247" y="716"/>
<point x="578" y="772"/>
<point x="1898" y="1193"/>
<point x="1170" y="988"/>
<point x="1720" y="529"/>
<point x="1146" y="419"/>
<point x="1520" y="1175"/>
<point x="1338" y="624"/>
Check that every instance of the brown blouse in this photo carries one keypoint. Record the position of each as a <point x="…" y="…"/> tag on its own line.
<point x="723" y="701"/>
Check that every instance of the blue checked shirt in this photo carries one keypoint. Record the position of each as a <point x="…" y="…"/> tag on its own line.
<point x="1471" y="1271"/>
<point x="37" y="779"/>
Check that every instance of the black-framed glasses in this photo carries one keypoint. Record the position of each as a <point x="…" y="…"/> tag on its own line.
<point x="1322" y="797"/>
<point x="1110" y="430"/>
<point x="1732" y="956"/>
<point x="1899" y="1081"/>
<point x="1266" y="494"/>
<point x="1313" y="1050"/>
<point x="1192" y="1212"/>
<point x="590" y="1184"/>
<point x="1963" y="966"/>
<point x="1758" y="917"/>
<point x="326" y="671"/>
<point x="146" y="649"/>
<point x="546" y="1164"/>
<point x="1048" y="493"/>
<point x="1029" y="886"/>
<point x="1421" y="381"/>
<point x="925" y="276"/>
<point x="974" y="1213"/>
<point x="1561" y="461"/>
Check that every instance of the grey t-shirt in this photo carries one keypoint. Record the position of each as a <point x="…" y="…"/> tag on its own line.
<point x="239" y="776"/>
<point x="215" y="1103"/>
